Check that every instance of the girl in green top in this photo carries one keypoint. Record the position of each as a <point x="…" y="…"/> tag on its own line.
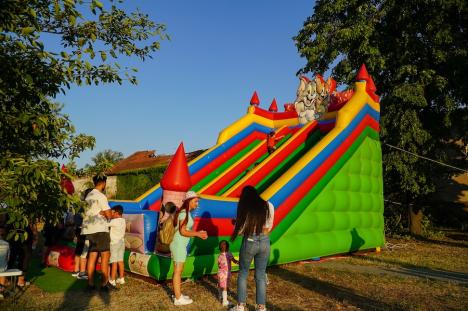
<point x="184" y="223"/>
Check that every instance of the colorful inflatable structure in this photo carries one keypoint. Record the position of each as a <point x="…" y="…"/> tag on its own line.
<point x="324" y="179"/>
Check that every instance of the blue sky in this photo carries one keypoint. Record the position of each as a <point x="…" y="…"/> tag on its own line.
<point x="201" y="80"/>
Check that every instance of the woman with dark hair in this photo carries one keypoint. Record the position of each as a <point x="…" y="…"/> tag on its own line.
<point x="254" y="221"/>
<point x="183" y="222"/>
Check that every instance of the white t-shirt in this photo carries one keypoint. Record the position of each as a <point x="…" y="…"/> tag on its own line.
<point x="271" y="217"/>
<point x="117" y="230"/>
<point x="93" y="221"/>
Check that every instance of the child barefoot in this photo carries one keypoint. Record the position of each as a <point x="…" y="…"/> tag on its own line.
<point x="224" y="270"/>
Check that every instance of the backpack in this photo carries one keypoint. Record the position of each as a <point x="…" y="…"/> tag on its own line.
<point x="166" y="234"/>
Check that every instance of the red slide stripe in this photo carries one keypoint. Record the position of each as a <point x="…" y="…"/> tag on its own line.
<point x="202" y="173"/>
<point x="236" y="170"/>
<point x="277" y="158"/>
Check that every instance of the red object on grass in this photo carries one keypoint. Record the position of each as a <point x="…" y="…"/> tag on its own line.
<point x="273" y="106"/>
<point x="177" y="176"/>
<point x="62" y="257"/>
<point x="254" y="100"/>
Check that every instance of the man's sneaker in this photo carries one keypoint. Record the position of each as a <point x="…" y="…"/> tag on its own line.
<point x="82" y="276"/>
<point x="75" y="274"/>
<point x="227" y="304"/>
<point x="182" y="301"/>
<point x="120" y="281"/>
<point x="112" y="282"/>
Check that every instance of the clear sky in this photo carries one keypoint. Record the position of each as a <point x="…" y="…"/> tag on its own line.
<point x="201" y="80"/>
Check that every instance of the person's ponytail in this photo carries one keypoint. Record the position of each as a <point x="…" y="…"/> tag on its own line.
<point x="185" y="206"/>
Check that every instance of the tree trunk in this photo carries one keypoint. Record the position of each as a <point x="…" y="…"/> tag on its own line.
<point x="415" y="220"/>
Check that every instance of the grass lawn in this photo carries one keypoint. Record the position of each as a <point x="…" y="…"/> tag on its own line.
<point x="410" y="275"/>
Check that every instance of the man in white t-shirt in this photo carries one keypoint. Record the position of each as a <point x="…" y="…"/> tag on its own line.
<point x="96" y="228"/>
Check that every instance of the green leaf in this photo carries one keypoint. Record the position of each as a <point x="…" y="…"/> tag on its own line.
<point x="27" y="30"/>
<point x="103" y="56"/>
<point x="98" y="4"/>
<point x="32" y="12"/>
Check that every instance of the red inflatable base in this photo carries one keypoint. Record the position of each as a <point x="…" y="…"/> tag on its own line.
<point x="63" y="257"/>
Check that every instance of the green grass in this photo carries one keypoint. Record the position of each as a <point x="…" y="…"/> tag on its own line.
<point x="53" y="280"/>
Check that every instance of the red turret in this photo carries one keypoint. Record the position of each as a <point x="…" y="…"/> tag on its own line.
<point x="273" y="106"/>
<point x="176" y="179"/>
<point x="371" y="88"/>
<point x="254" y="100"/>
<point x="177" y="176"/>
<point x="362" y="73"/>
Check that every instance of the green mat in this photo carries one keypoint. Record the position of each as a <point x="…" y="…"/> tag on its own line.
<point x="53" y="280"/>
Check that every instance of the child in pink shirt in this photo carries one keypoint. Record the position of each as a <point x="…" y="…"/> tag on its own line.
<point x="224" y="270"/>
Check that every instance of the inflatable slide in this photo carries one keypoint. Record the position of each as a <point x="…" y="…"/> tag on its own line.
<point x="324" y="179"/>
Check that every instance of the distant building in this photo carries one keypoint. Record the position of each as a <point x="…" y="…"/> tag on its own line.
<point x="146" y="159"/>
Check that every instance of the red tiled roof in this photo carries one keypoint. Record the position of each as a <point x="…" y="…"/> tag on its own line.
<point x="146" y="159"/>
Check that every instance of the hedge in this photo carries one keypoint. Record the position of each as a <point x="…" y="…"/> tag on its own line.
<point x="132" y="184"/>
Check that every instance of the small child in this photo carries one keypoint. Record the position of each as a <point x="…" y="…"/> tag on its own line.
<point x="271" y="142"/>
<point x="117" y="246"/>
<point x="224" y="270"/>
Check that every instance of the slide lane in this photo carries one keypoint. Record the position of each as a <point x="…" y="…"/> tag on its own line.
<point x="236" y="168"/>
<point x="278" y="161"/>
<point x="252" y="145"/>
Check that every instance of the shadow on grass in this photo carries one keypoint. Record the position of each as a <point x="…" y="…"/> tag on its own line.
<point x="418" y="271"/>
<point x="332" y="291"/>
<point x="445" y="243"/>
<point x="77" y="298"/>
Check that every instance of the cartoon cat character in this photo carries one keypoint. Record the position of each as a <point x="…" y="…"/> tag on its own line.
<point x="312" y="97"/>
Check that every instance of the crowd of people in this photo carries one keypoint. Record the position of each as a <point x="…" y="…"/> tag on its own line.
<point x="100" y="234"/>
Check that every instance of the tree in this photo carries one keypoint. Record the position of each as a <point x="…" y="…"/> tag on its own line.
<point x="417" y="52"/>
<point x="104" y="161"/>
<point x="45" y="47"/>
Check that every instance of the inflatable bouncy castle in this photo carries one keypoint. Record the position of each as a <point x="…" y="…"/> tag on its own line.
<point x="324" y="179"/>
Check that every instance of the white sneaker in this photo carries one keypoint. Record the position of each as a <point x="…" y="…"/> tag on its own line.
<point x="182" y="301"/>
<point x="75" y="274"/>
<point x="113" y="283"/>
<point x="182" y="295"/>
<point x="120" y="281"/>
<point x="237" y="308"/>
<point x="227" y="304"/>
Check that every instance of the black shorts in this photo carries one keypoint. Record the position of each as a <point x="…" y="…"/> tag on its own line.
<point x="80" y="243"/>
<point x="99" y="242"/>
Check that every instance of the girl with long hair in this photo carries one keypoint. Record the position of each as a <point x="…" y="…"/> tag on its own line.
<point x="254" y="221"/>
<point x="184" y="223"/>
